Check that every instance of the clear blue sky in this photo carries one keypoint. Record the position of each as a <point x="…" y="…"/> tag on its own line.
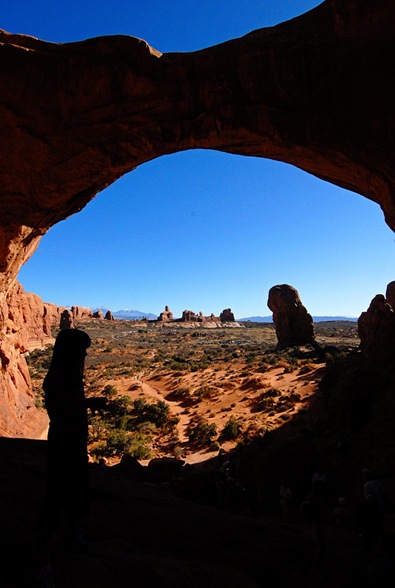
<point x="203" y="230"/>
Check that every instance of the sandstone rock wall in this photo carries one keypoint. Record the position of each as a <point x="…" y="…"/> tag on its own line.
<point x="376" y="329"/>
<point x="26" y="323"/>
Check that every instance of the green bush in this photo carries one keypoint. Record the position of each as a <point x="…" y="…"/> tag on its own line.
<point x="120" y="442"/>
<point x="116" y="444"/>
<point x="201" y="433"/>
<point x="181" y="394"/>
<point x="109" y="391"/>
<point x="157" y="413"/>
<point x="40" y="359"/>
<point x="232" y="430"/>
<point x="119" y="406"/>
<point x="139" y="446"/>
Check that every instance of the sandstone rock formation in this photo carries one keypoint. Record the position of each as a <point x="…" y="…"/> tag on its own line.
<point x="98" y="314"/>
<point x="188" y="316"/>
<point x="81" y="312"/>
<point x="25" y="323"/>
<point x="315" y="91"/>
<point x="165" y="316"/>
<point x="66" y="319"/>
<point x="109" y="316"/>
<point x="227" y="316"/>
<point x="390" y="294"/>
<point x="294" y="325"/>
<point x="376" y="329"/>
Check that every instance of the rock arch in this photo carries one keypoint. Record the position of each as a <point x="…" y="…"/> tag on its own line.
<point x="316" y="92"/>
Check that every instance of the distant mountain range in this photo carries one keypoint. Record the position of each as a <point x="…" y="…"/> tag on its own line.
<point x="134" y="315"/>
<point x="129" y="314"/>
<point x="316" y="319"/>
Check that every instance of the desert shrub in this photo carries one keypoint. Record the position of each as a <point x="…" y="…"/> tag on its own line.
<point x="96" y="429"/>
<point x="157" y="413"/>
<point x="253" y="435"/>
<point x="183" y="364"/>
<point x="119" y="406"/>
<point x="305" y="369"/>
<point x="181" y="394"/>
<point x="180" y="357"/>
<point x="109" y="391"/>
<point x="231" y="430"/>
<point x="215" y="446"/>
<point x="264" y="400"/>
<point x="139" y="446"/>
<point x="141" y="363"/>
<point x="271" y="393"/>
<point x="205" y="392"/>
<point x="177" y="451"/>
<point x="119" y="442"/>
<point x="99" y="450"/>
<point x="116" y="444"/>
<point x="273" y="360"/>
<point x="39" y="401"/>
<point x="39" y="359"/>
<point x="177" y="366"/>
<point x="201" y="433"/>
<point x="125" y="371"/>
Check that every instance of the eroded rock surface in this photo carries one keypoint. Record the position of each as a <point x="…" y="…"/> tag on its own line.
<point x="26" y="322"/>
<point x="376" y="329"/>
<point x="316" y="91"/>
<point x="165" y="316"/>
<point x="81" y="312"/>
<point x="227" y="316"/>
<point x="294" y="325"/>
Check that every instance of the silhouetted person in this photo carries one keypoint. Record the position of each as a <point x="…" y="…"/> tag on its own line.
<point x="66" y="499"/>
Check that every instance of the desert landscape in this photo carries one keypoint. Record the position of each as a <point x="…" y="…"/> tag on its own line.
<point x="227" y="385"/>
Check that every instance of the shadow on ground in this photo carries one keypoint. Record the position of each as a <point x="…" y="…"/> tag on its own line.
<point x="140" y="535"/>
